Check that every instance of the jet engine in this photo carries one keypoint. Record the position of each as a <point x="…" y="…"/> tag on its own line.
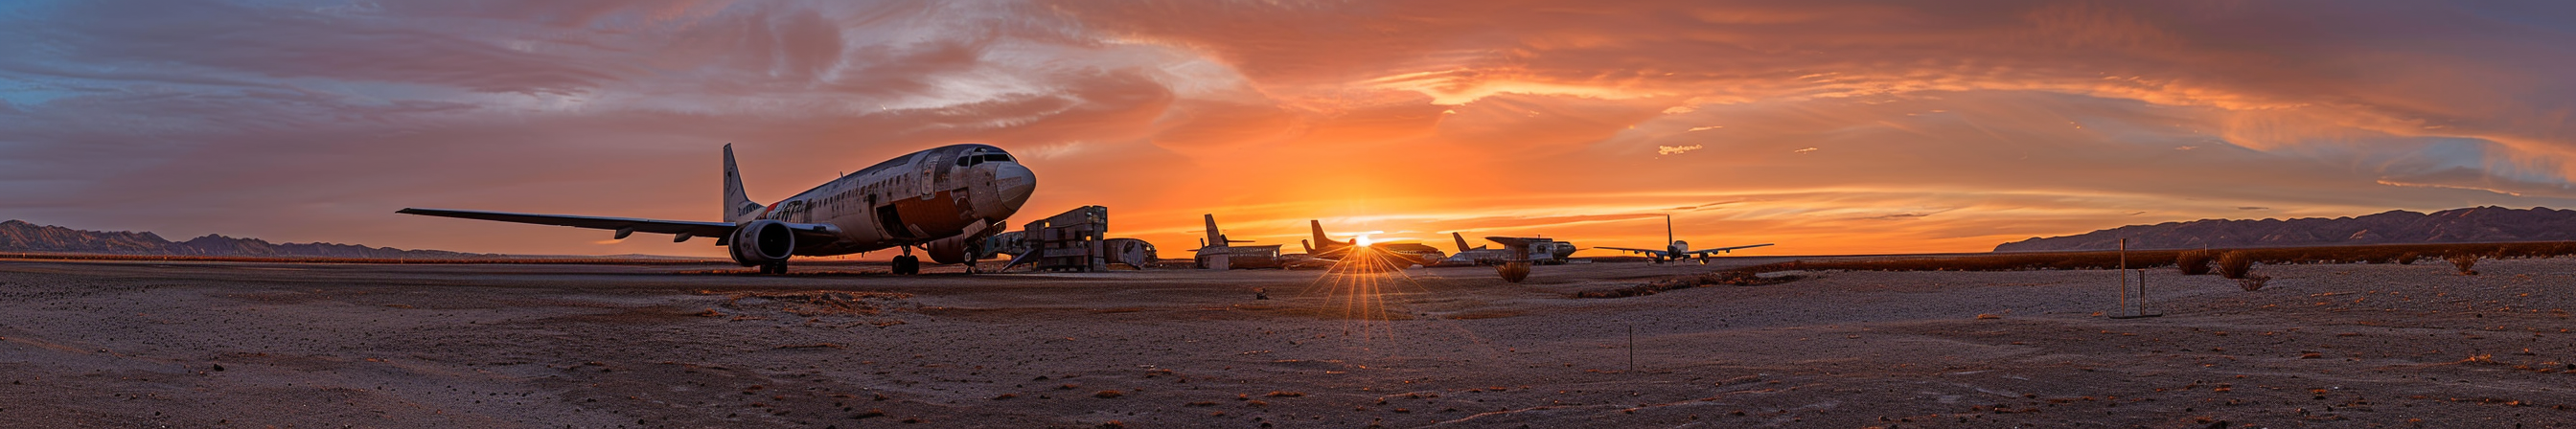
<point x="762" y="242"/>
<point x="951" y="250"/>
<point x="956" y="250"/>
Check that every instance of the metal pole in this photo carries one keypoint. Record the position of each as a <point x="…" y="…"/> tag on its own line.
<point x="2124" y="276"/>
<point x="1632" y="348"/>
<point x="2142" y="292"/>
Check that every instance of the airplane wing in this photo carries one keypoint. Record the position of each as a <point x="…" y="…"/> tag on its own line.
<point x="1645" y="251"/>
<point x="1722" y="249"/>
<point x="622" y="225"/>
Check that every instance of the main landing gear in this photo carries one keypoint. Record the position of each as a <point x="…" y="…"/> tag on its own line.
<point x="774" y="268"/>
<point x="907" y="264"/>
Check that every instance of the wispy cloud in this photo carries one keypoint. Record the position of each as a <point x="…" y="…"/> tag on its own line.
<point x="2028" y="118"/>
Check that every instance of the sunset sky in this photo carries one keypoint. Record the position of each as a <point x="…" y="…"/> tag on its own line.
<point x="1829" y="127"/>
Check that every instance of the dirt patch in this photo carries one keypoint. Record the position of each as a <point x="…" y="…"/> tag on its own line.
<point x="815" y="303"/>
<point x="1736" y="277"/>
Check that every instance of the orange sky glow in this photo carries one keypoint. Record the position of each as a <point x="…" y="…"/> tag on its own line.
<point x="1833" y="127"/>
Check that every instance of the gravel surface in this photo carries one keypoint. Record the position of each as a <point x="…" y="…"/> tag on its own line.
<point x="151" y="344"/>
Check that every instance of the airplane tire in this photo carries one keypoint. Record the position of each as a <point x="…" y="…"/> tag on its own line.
<point x="907" y="265"/>
<point x="777" y="268"/>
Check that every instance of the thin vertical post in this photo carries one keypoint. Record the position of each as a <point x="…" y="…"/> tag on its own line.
<point x="1632" y="348"/>
<point x="2142" y="292"/>
<point x="2124" y="276"/>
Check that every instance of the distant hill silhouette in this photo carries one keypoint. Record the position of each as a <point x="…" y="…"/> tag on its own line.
<point x="2468" y="225"/>
<point x="20" y="236"/>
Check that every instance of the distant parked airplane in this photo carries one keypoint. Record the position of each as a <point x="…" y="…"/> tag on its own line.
<point x="945" y="200"/>
<point x="1218" y="252"/>
<point x="1403" y="254"/>
<point x="1679" y="250"/>
<point x="1541" y="251"/>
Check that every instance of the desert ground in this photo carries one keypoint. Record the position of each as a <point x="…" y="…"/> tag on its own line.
<point x="229" y="344"/>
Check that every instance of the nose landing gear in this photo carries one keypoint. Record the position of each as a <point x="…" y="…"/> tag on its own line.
<point x="907" y="264"/>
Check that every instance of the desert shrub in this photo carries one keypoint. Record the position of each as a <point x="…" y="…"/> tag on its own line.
<point x="2466" y="262"/>
<point x="2192" y="262"/>
<point x="2253" y="282"/>
<point x="2409" y="258"/>
<point x="2234" y="264"/>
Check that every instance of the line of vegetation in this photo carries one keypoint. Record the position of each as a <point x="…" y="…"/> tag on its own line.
<point x="2195" y="261"/>
<point x="2234" y="264"/>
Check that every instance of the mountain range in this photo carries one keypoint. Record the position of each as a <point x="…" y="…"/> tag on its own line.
<point x="20" y="236"/>
<point x="2466" y="225"/>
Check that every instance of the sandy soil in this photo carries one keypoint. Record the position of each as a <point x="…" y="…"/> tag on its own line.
<point x="144" y="344"/>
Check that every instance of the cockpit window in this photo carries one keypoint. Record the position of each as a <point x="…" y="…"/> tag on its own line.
<point x="971" y="159"/>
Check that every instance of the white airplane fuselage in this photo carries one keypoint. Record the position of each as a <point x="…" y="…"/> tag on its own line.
<point x="943" y="199"/>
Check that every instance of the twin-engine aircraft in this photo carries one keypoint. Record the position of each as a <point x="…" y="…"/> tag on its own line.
<point x="1679" y="250"/>
<point x="945" y="200"/>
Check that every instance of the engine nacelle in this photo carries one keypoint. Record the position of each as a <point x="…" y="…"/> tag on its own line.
<point x="951" y="250"/>
<point x="955" y="250"/>
<point x="762" y="242"/>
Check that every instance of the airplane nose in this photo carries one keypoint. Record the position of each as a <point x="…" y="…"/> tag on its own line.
<point x="1016" y="182"/>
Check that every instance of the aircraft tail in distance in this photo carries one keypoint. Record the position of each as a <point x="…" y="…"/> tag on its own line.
<point x="1213" y="238"/>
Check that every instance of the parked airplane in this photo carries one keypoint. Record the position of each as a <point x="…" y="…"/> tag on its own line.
<point x="945" y="200"/>
<point x="1542" y="251"/>
<point x="1679" y="250"/>
<point x="1404" y="254"/>
<point x="1219" y="253"/>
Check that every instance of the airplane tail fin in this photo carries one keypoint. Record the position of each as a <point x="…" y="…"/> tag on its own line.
<point x="1212" y="238"/>
<point x="1310" y="248"/>
<point x="1318" y="227"/>
<point x="1668" y="228"/>
<point x="737" y="205"/>
<point x="1462" y="241"/>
